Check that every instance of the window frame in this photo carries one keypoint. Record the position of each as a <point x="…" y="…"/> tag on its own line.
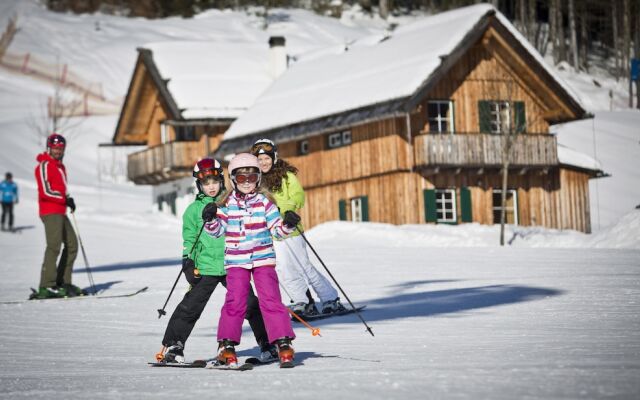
<point x="514" y="208"/>
<point x="498" y="109"/>
<point x="443" y="210"/>
<point x="303" y="147"/>
<point x="450" y="118"/>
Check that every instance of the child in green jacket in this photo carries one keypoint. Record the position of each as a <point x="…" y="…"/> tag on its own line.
<point x="203" y="267"/>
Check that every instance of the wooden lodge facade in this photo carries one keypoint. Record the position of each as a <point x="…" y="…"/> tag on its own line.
<point x="151" y="117"/>
<point x="436" y="156"/>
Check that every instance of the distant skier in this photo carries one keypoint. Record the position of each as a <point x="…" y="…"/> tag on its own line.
<point x="294" y="267"/>
<point x="204" y="270"/>
<point x="9" y="191"/>
<point x="53" y="200"/>
<point x="248" y="220"/>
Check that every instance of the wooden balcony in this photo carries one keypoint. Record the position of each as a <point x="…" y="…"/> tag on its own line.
<point x="480" y="150"/>
<point x="164" y="163"/>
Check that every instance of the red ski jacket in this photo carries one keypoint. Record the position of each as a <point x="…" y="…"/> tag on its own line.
<point x="52" y="185"/>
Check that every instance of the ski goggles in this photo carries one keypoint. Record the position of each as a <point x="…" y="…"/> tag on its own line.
<point x="206" y="173"/>
<point x="260" y="148"/>
<point x="250" y="178"/>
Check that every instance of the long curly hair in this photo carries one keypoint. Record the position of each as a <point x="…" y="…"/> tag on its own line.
<point x="272" y="180"/>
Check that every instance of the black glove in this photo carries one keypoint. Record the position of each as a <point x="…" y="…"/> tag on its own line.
<point x="71" y="204"/>
<point x="189" y="269"/>
<point x="291" y="219"/>
<point x="209" y="212"/>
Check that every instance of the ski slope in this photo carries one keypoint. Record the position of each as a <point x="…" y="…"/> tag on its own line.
<point x="552" y="315"/>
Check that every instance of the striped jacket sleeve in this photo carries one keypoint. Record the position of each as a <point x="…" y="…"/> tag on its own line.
<point x="274" y="221"/>
<point x="218" y="226"/>
<point x="52" y="183"/>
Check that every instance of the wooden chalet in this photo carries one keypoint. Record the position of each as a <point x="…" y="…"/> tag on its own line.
<point x="182" y="97"/>
<point x="411" y="130"/>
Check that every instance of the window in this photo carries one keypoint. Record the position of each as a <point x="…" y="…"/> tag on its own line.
<point x="339" y="139"/>
<point x="303" y="147"/>
<point x="357" y="208"/>
<point x="511" y="206"/>
<point x="446" y="206"/>
<point x="346" y="138"/>
<point x="500" y="117"/>
<point x="440" y="114"/>
<point x="185" y="133"/>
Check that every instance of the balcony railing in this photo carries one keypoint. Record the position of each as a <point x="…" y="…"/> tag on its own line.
<point x="484" y="150"/>
<point x="164" y="162"/>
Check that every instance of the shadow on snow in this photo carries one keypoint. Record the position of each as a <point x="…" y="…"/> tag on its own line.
<point x="163" y="262"/>
<point x="448" y="301"/>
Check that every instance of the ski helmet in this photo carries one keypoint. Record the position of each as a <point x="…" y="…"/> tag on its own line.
<point x="55" y="141"/>
<point x="243" y="160"/>
<point x="265" y="146"/>
<point x="208" y="167"/>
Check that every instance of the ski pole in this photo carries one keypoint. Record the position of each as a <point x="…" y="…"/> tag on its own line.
<point x="335" y="281"/>
<point x="314" y="331"/>
<point x="84" y="255"/>
<point x="161" y="311"/>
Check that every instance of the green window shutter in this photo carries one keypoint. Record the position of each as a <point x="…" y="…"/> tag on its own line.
<point x="430" y="212"/>
<point x="520" y="117"/>
<point x="365" y="208"/>
<point x="342" y="210"/>
<point x="465" y="205"/>
<point x="484" y="116"/>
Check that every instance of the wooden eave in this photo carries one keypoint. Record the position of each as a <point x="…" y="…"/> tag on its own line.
<point x="317" y="126"/>
<point x="145" y="66"/>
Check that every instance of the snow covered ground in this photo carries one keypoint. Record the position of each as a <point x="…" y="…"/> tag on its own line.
<point x="553" y="315"/>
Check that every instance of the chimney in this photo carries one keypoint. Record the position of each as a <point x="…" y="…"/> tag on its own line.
<point x="277" y="56"/>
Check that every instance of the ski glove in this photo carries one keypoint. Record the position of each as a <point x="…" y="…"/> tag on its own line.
<point x="209" y="212"/>
<point x="190" y="271"/>
<point x="291" y="219"/>
<point x="71" y="204"/>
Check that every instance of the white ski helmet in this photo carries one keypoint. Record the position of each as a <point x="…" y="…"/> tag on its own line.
<point x="265" y="146"/>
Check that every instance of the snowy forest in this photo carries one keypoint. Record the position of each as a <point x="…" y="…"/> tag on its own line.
<point x="578" y="32"/>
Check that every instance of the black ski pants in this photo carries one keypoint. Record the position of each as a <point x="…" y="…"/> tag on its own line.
<point x="7" y="211"/>
<point x="186" y="314"/>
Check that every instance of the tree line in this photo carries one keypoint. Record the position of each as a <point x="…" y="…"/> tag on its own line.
<point x="575" y="31"/>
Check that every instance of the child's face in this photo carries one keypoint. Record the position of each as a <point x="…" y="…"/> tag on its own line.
<point x="246" y="180"/>
<point x="211" y="187"/>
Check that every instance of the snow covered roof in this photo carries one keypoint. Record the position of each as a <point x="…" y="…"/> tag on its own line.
<point x="210" y="79"/>
<point x="573" y="158"/>
<point x="391" y="70"/>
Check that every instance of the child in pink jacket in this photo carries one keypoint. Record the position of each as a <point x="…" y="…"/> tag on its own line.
<point x="249" y="220"/>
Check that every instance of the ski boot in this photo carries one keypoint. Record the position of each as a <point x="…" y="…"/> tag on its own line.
<point x="174" y="354"/>
<point x="73" y="290"/>
<point x="332" y="306"/>
<point x="268" y="353"/>
<point x="285" y="352"/>
<point x="298" y="308"/>
<point x="227" y="353"/>
<point x="54" y="292"/>
<point x="310" y="310"/>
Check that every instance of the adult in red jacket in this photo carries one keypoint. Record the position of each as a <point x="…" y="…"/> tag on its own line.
<point x="53" y="200"/>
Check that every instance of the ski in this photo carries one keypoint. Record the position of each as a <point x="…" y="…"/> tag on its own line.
<point x="88" y="296"/>
<point x="194" y="364"/>
<point x="240" y="367"/>
<point x="328" y="315"/>
<point x="255" y="361"/>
